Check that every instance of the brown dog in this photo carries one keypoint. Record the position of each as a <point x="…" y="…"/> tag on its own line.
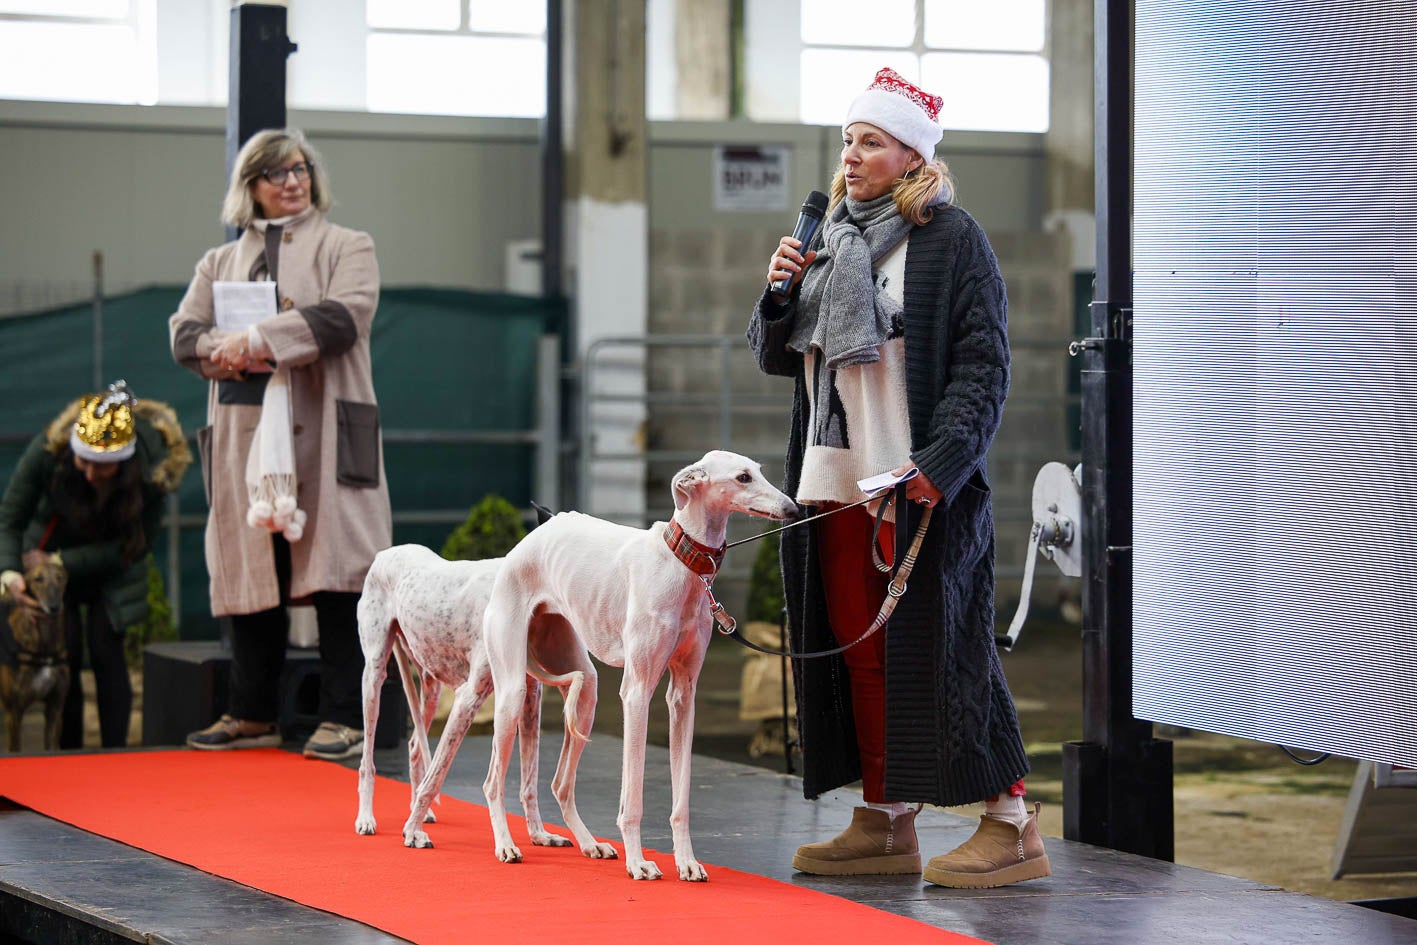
<point x="41" y="669"/>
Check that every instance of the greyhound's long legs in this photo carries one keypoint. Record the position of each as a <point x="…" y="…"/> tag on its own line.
<point x="563" y="784"/>
<point x="642" y="674"/>
<point x="529" y="732"/>
<point x="53" y="720"/>
<point x="504" y="730"/>
<point x="468" y="699"/>
<point x="683" y="681"/>
<point x="376" y="635"/>
<point x="430" y="691"/>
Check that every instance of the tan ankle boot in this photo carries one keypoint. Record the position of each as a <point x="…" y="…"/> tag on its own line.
<point x="873" y="844"/>
<point x="998" y="854"/>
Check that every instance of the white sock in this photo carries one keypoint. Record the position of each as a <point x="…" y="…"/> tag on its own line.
<point x="893" y="810"/>
<point x="1008" y="807"/>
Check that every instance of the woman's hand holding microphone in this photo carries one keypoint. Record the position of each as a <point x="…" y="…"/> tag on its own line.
<point x="788" y="264"/>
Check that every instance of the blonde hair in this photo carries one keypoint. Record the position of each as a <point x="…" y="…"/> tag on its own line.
<point x="266" y="151"/>
<point x="915" y="194"/>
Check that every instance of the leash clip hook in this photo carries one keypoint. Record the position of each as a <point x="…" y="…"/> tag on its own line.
<point x="726" y="624"/>
<point x="722" y="620"/>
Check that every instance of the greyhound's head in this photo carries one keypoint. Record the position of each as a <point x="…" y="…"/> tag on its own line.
<point x="721" y="483"/>
<point x="45" y="581"/>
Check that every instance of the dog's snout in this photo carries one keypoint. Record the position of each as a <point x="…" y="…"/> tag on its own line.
<point x="795" y="512"/>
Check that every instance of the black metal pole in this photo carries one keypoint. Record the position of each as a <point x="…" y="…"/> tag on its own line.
<point x="1117" y="781"/>
<point x="256" y="86"/>
<point x="784" y="667"/>
<point x="553" y="198"/>
<point x="553" y="158"/>
<point x="255" y="98"/>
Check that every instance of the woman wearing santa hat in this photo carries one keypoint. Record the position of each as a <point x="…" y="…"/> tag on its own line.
<point x="893" y="327"/>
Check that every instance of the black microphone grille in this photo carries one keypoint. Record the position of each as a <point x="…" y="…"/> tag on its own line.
<point x="815" y="204"/>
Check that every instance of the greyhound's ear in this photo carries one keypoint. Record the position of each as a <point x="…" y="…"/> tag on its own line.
<point x="56" y="559"/>
<point x="686" y="481"/>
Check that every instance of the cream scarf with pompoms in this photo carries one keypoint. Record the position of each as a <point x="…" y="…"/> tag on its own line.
<point x="270" y="466"/>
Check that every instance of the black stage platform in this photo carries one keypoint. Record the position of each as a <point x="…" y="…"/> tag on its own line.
<point x="62" y="885"/>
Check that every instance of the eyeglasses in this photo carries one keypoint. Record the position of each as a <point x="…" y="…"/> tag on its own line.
<point x="277" y="175"/>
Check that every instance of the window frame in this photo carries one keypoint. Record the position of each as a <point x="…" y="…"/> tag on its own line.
<point x="919" y="49"/>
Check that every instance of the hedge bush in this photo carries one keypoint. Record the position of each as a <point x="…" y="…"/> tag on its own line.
<point x="160" y="624"/>
<point x="492" y="528"/>
<point x="765" y="598"/>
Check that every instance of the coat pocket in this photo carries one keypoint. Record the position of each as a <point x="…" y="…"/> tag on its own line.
<point x="357" y="456"/>
<point x="204" y="453"/>
<point x="971" y="518"/>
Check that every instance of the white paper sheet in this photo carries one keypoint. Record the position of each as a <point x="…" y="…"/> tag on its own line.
<point x="239" y="305"/>
<point x="885" y="480"/>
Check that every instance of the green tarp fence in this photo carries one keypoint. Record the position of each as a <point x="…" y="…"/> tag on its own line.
<point x="445" y="361"/>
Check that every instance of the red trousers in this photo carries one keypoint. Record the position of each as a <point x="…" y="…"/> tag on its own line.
<point x="854" y="591"/>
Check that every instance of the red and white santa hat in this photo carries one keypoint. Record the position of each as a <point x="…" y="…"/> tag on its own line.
<point x="903" y="111"/>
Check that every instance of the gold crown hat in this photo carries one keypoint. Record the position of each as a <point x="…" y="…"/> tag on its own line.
<point x="104" y="431"/>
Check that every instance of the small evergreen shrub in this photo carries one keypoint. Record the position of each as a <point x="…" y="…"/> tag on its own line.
<point x="765" y="600"/>
<point x="493" y="527"/>
<point x="160" y="624"/>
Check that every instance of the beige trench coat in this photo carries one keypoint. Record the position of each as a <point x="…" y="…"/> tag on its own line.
<point x="327" y="284"/>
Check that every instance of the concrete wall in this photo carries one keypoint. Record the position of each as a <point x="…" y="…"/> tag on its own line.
<point x="444" y="197"/>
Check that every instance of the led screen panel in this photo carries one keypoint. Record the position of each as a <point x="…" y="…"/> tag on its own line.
<point x="1275" y="425"/>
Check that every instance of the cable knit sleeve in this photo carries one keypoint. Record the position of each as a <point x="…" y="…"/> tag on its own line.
<point x="963" y="422"/>
<point x="768" y="331"/>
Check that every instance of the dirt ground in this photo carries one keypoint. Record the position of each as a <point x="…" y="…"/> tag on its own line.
<point x="1241" y="808"/>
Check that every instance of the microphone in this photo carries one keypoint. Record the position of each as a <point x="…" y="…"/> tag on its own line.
<point x="813" y="209"/>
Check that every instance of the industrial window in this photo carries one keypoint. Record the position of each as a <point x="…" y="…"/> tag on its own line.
<point x="987" y="61"/>
<point x="456" y="57"/>
<point x="79" y="50"/>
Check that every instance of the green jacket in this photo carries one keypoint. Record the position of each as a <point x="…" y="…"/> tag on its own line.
<point x="29" y="507"/>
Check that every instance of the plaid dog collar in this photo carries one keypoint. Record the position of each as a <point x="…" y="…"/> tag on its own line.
<point x="701" y="559"/>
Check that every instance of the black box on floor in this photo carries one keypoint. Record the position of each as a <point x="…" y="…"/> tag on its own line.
<point x="185" y="688"/>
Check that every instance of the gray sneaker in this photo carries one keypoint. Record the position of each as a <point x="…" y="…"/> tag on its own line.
<point x="333" y="741"/>
<point x="227" y="733"/>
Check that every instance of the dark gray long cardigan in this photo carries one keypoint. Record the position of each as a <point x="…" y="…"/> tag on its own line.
<point x="952" y="734"/>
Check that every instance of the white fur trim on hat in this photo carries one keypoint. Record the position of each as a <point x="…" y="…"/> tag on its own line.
<point x="905" y="112"/>
<point x="898" y="117"/>
<point x="86" y="452"/>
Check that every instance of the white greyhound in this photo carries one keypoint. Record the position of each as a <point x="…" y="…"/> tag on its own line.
<point x="579" y="583"/>
<point x="428" y="613"/>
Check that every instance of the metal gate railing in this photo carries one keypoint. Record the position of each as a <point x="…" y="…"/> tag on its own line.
<point x="722" y="405"/>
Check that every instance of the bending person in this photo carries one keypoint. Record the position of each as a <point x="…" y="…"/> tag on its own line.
<point x="90" y="489"/>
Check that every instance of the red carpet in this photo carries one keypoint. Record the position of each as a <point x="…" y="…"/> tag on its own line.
<point x="280" y="823"/>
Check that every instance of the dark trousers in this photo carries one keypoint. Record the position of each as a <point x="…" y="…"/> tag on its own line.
<point x="259" y="640"/>
<point x="86" y="623"/>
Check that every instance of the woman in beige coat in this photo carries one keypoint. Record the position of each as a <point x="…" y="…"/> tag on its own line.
<point x="317" y="342"/>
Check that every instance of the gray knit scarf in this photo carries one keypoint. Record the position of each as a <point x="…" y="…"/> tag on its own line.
<point x="840" y="309"/>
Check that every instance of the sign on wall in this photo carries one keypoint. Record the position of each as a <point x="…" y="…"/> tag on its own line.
<point x="750" y="177"/>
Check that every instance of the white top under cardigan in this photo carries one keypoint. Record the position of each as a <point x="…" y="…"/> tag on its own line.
<point x="873" y="396"/>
